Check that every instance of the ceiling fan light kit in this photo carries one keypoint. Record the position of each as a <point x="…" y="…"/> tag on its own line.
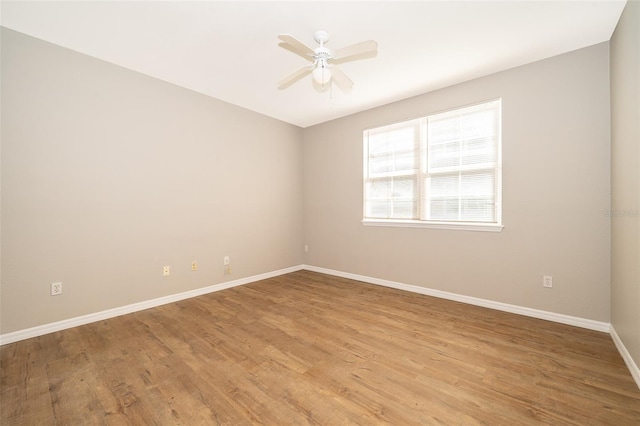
<point x="322" y="69"/>
<point x="322" y="73"/>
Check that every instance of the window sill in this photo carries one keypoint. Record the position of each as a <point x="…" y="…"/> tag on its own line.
<point x="488" y="227"/>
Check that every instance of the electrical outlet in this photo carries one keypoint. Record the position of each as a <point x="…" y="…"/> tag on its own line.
<point x="226" y="261"/>
<point x="547" y="281"/>
<point x="306" y="248"/>
<point x="56" y="289"/>
<point x="194" y="266"/>
<point x="166" y="271"/>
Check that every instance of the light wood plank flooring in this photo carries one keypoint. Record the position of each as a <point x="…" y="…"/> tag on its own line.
<point x="307" y="348"/>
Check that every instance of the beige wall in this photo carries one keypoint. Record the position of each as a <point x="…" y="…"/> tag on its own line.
<point x="556" y="146"/>
<point x="625" y="179"/>
<point x="107" y="175"/>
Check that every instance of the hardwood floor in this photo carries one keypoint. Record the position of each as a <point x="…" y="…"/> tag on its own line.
<point x="307" y="348"/>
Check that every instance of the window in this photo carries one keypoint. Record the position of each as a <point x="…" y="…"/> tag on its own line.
<point x="443" y="170"/>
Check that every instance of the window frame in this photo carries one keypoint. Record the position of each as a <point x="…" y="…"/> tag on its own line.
<point x="422" y="173"/>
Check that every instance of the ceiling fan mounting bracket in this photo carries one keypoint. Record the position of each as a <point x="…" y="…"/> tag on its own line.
<point x="321" y="37"/>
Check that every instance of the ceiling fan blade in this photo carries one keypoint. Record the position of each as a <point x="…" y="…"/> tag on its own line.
<point x="357" y="49"/>
<point x="294" y="76"/>
<point x="340" y="78"/>
<point x="293" y="45"/>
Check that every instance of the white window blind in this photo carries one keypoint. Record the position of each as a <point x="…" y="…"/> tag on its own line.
<point x="440" y="169"/>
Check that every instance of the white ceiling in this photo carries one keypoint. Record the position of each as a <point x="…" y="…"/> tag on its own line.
<point x="229" y="49"/>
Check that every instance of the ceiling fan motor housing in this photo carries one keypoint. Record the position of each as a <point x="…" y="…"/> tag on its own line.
<point x="321" y="54"/>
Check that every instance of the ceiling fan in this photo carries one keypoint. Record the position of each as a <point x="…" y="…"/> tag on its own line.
<point x="324" y="60"/>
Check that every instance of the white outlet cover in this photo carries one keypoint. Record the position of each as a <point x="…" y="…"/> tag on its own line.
<point x="56" y="288"/>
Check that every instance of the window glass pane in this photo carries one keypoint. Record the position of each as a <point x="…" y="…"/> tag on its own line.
<point x="393" y="150"/>
<point x="404" y="210"/>
<point x="477" y="209"/>
<point x="378" y="189"/>
<point x="403" y="139"/>
<point x="400" y="163"/>
<point x="403" y="188"/>
<point x="378" y="210"/>
<point x="387" y="142"/>
<point x="393" y="197"/>
<point x="461" y="196"/>
<point x="444" y="155"/>
<point x="444" y="208"/>
<point x="478" y="199"/>
<point x="443" y="185"/>
<point x="476" y="124"/>
<point x="477" y="151"/>
<point x="480" y="183"/>
<point x="442" y="130"/>
<point x="404" y="161"/>
<point x="379" y="165"/>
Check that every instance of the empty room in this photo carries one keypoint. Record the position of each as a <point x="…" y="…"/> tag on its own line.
<point x="360" y="212"/>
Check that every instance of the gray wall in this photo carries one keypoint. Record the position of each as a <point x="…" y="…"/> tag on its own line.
<point x="556" y="181"/>
<point x="107" y="175"/>
<point x="625" y="179"/>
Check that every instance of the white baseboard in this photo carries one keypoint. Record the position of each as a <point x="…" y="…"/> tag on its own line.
<point x="515" y="309"/>
<point x="626" y="356"/>
<point x="110" y="313"/>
